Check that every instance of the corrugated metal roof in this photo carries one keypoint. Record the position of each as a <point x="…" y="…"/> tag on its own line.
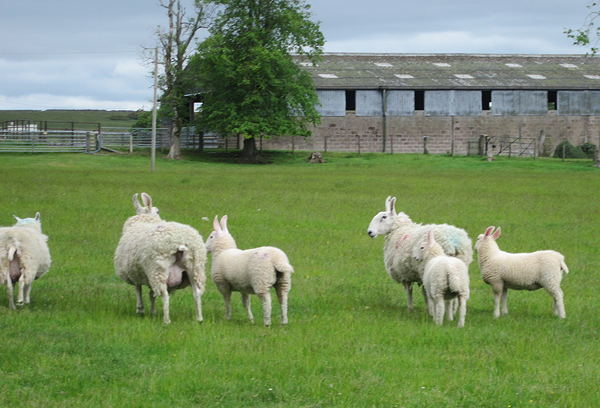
<point x="452" y="71"/>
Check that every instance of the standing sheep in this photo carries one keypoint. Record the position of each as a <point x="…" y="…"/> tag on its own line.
<point x="250" y="271"/>
<point x="24" y="257"/>
<point x="165" y="256"/>
<point x="445" y="278"/>
<point x="526" y="271"/>
<point x="399" y="251"/>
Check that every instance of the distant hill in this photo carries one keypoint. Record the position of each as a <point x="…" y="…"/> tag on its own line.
<point x="116" y="118"/>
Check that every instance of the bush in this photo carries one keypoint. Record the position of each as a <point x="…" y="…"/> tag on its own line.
<point x="589" y="149"/>
<point x="570" y="151"/>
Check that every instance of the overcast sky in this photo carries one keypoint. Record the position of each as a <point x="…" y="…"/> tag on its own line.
<point x="84" y="54"/>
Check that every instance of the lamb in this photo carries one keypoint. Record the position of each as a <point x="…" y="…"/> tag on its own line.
<point x="24" y="257"/>
<point x="525" y="271"/>
<point x="250" y="271"/>
<point x="165" y="256"/>
<point x="402" y="240"/>
<point x="445" y="278"/>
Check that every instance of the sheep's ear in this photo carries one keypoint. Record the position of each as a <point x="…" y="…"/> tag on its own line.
<point x="497" y="233"/>
<point x="16" y="218"/>
<point x="387" y="203"/>
<point x="224" y="223"/>
<point x="392" y="209"/>
<point x="37" y="216"/>
<point x="147" y="200"/>
<point x="430" y="238"/>
<point x="216" y="225"/>
<point x="488" y="231"/>
<point x="136" y="203"/>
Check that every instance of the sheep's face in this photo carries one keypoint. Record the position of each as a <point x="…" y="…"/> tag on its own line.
<point x="35" y="223"/>
<point x="147" y="211"/>
<point x="210" y="242"/>
<point x="478" y="242"/>
<point x="381" y="224"/>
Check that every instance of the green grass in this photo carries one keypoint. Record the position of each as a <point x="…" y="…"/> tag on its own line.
<point x="350" y="342"/>
<point x="106" y="118"/>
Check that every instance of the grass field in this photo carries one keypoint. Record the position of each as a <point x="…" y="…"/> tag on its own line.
<point x="350" y="342"/>
<point x="106" y="118"/>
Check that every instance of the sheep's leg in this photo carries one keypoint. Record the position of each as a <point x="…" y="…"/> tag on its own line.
<point x="282" y="288"/>
<point x="559" y="306"/>
<point x="165" y="300"/>
<point x="430" y="305"/>
<point x="497" y="294"/>
<point x="21" y="290"/>
<point x="426" y="299"/>
<point x="462" y="310"/>
<point x="247" y="307"/>
<point x="9" y="292"/>
<point x="266" y="303"/>
<point x="439" y="310"/>
<point x="152" y="297"/>
<point x="28" y="292"/>
<point x="409" y="299"/>
<point x="450" y="309"/>
<point x="197" y="292"/>
<point x="505" y="301"/>
<point x="139" y="308"/>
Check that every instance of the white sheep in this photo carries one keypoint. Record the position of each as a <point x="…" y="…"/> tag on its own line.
<point x="24" y="257"/>
<point x="165" y="256"/>
<point x="445" y="279"/>
<point x="525" y="271"/>
<point x="403" y="238"/>
<point x="250" y="271"/>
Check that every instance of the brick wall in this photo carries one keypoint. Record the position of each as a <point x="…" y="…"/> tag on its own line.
<point x="405" y="133"/>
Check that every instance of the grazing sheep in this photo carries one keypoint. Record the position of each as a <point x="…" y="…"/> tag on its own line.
<point x="445" y="278"/>
<point x="403" y="238"/>
<point x="526" y="271"/>
<point x="24" y="257"/>
<point x="165" y="256"/>
<point x="250" y="271"/>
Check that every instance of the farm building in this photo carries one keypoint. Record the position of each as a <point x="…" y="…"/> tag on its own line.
<point x="396" y="102"/>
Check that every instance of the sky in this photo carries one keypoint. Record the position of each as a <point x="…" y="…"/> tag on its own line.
<point x="84" y="54"/>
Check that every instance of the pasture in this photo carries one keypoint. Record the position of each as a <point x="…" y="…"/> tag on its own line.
<point x="351" y="341"/>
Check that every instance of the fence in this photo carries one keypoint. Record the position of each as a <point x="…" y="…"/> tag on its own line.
<point x="503" y="146"/>
<point x="78" y="141"/>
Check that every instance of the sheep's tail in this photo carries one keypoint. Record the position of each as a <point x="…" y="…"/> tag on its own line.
<point x="12" y="250"/>
<point x="282" y="264"/>
<point x="563" y="266"/>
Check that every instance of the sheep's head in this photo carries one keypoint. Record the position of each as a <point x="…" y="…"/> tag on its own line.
<point x="35" y="223"/>
<point x="383" y="222"/>
<point x="428" y="248"/>
<point x="488" y="236"/>
<point x="220" y="236"/>
<point x="146" y="206"/>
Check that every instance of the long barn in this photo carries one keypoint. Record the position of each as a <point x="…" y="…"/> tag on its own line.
<point x="390" y="102"/>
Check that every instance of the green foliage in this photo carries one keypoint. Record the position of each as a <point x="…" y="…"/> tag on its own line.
<point x="588" y="34"/>
<point x="568" y="151"/>
<point x="251" y="85"/>
<point x="143" y="119"/>
<point x="589" y="149"/>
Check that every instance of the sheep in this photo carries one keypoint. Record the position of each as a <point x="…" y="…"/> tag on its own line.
<point x="525" y="271"/>
<point x="24" y="257"/>
<point x="165" y="256"/>
<point x="445" y="278"/>
<point x="403" y="238"/>
<point x="250" y="271"/>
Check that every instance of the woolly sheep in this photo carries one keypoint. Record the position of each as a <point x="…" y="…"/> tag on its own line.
<point x="24" y="257"/>
<point x="525" y="271"/>
<point x="250" y="271"/>
<point x="165" y="256"/>
<point x="403" y="238"/>
<point x="445" y="279"/>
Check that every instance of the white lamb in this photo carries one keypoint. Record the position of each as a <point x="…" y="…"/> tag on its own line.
<point x="445" y="278"/>
<point x="526" y="271"/>
<point x="165" y="256"/>
<point x="250" y="271"/>
<point x="403" y="238"/>
<point x="24" y="257"/>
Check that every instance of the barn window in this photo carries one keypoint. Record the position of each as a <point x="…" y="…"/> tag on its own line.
<point x="419" y="100"/>
<point x="350" y="100"/>
<point x="486" y="100"/>
<point x="551" y="100"/>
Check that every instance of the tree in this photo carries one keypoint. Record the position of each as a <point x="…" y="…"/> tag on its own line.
<point x="589" y="32"/>
<point x="174" y="44"/>
<point x="250" y="82"/>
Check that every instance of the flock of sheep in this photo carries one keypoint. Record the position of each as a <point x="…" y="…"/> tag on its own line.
<point x="166" y="256"/>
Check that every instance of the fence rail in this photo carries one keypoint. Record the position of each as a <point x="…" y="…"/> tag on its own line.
<point x="49" y="141"/>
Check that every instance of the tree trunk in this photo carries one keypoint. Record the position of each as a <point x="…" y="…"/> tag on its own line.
<point x="249" y="152"/>
<point x="175" y="149"/>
